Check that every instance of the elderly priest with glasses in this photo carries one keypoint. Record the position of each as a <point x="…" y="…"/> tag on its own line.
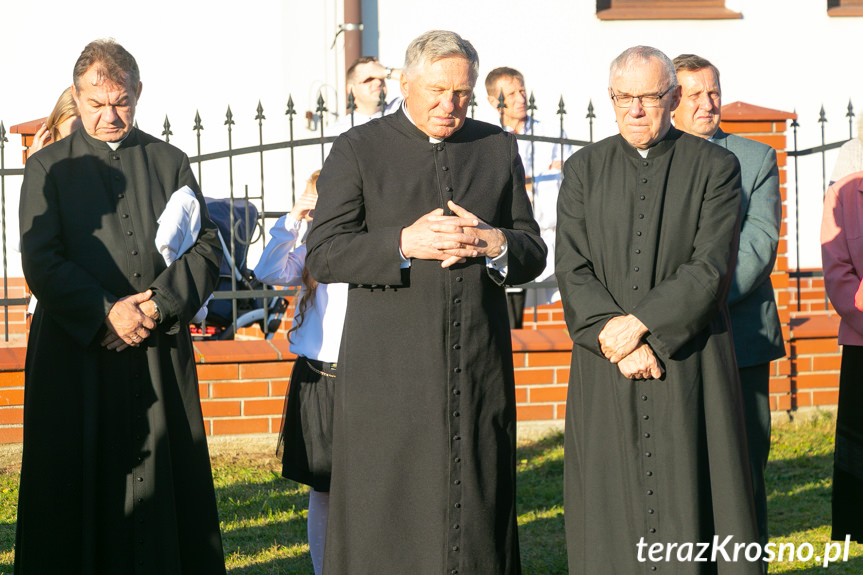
<point x="648" y="224"/>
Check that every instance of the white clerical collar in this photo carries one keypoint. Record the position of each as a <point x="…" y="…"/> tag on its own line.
<point x="405" y="110"/>
<point x="643" y="152"/>
<point x="115" y="145"/>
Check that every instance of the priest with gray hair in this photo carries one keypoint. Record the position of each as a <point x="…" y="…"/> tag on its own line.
<point x="424" y="212"/>
<point x="655" y="448"/>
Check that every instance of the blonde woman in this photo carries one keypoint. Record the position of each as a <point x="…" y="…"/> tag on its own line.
<point x="63" y="120"/>
<point x="306" y="434"/>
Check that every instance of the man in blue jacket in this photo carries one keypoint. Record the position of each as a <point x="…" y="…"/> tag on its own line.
<point x="754" y="320"/>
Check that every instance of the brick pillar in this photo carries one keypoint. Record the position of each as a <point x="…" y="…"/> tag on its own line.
<point x="768" y="127"/>
<point x="27" y="131"/>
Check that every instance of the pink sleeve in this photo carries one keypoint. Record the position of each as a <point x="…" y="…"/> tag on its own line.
<point x="841" y="279"/>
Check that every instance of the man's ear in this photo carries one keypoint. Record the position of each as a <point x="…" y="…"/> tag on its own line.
<point x="403" y="84"/>
<point x="675" y="97"/>
<point x="138" y="91"/>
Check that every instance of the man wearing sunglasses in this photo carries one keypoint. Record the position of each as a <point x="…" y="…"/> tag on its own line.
<point x="647" y="233"/>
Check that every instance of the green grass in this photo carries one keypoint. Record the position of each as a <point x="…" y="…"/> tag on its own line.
<point x="263" y="515"/>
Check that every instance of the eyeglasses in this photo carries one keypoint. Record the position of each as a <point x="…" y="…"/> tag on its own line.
<point x="646" y="100"/>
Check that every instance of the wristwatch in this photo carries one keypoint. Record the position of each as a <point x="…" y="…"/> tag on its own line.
<point x="158" y="317"/>
<point x="389" y="73"/>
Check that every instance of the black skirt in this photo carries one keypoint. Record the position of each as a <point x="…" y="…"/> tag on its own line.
<point x="848" y="457"/>
<point x="307" y="425"/>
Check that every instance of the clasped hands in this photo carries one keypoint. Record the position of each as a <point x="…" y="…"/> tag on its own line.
<point x="621" y="343"/>
<point x="130" y="321"/>
<point x="450" y="239"/>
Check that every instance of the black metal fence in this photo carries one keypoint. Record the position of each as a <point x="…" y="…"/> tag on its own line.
<point x="798" y="275"/>
<point x="265" y="154"/>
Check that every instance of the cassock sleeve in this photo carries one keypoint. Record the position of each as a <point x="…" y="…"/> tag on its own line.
<point x="185" y="285"/>
<point x="526" y="252"/>
<point x="759" y="231"/>
<point x="685" y="302"/>
<point x="75" y="299"/>
<point x="339" y="247"/>
<point x="587" y="304"/>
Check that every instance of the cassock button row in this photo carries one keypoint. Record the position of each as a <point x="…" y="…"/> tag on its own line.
<point x="140" y="500"/>
<point x="455" y="547"/>
<point x="647" y="454"/>
<point x="121" y="196"/>
<point x="456" y="346"/>
<point x="653" y="567"/>
<point x="459" y="279"/>
<point x="449" y="189"/>
<point x="456" y="323"/>
<point x="652" y="529"/>
<point x="140" y="479"/>
<point x="644" y="163"/>
<point x="117" y="177"/>
<point x="635" y="288"/>
<point x="635" y="268"/>
<point x="456" y="526"/>
<point x="457" y="482"/>
<point x="134" y="252"/>
<point x="643" y="398"/>
<point x="642" y="197"/>
<point x="651" y="511"/>
<point x="456" y="414"/>
<point x="124" y="216"/>
<point x="645" y="417"/>
<point x="445" y="168"/>
<point x="646" y="435"/>
<point x="457" y="505"/>
<point x="456" y="300"/>
<point x="129" y="233"/>
<point x="640" y="216"/>
<point x="638" y="233"/>
<point x="643" y="180"/>
<point x="649" y="474"/>
<point x="136" y="275"/>
<point x="456" y="437"/>
<point x="457" y="370"/>
<point x="650" y="491"/>
<point x="457" y="460"/>
<point x="638" y="251"/>
<point x="456" y="392"/>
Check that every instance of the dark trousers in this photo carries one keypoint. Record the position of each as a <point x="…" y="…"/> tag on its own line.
<point x="755" y="384"/>
<point x="848" y="456"/>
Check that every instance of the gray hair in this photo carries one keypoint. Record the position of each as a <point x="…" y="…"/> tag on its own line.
<point x="642" y="55"/>
<point x="435" y="45"/>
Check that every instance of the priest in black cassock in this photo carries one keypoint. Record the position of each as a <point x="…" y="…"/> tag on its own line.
<point x="655" y="456"/>
<point x="424" y="212"/>
<point x="115" y="476"/>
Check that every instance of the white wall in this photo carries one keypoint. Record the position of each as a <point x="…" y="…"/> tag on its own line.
<point x="204" y="55"/>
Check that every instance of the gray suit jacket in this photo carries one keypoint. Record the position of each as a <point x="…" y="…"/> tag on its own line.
<point x="754" y="320"/>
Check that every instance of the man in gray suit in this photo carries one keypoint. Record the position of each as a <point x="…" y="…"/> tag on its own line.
<point x="754" y="320"/>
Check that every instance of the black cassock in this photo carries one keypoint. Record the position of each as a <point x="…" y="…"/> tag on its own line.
<point x="115" y="475"/>
<point x="424" y="432"/>
<point x="663" y="460"/>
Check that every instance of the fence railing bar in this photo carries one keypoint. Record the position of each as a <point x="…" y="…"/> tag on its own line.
<point x="815" y="150"/>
